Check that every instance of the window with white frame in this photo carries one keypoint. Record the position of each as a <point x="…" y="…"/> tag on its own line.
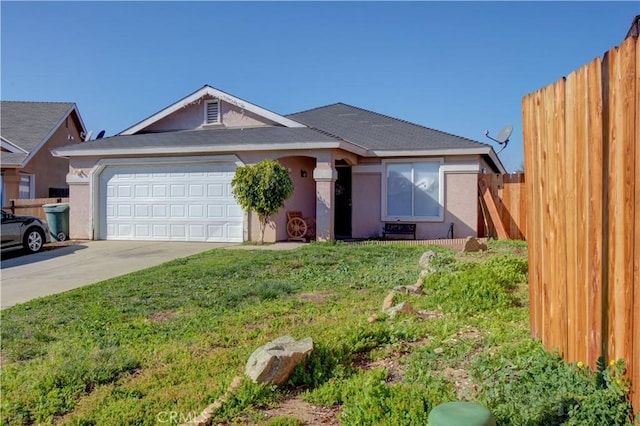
<point x="26" y="188"/>
<point x="212" y="112"/>
<point x="413" y="190"/>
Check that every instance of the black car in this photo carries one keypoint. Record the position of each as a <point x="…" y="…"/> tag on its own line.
<point x="23" y="232"/>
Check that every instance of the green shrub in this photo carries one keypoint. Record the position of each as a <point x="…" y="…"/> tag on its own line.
<point x="284" y="421"/>
<point x="248" y="397"/>
<point x="58" y="388"/>
<point x="509" y="269"/>
<point x="478" y="287"/>
<point x="370" y="401"/>
<point x="539" y="388"/>
<point x="323" y="364"/>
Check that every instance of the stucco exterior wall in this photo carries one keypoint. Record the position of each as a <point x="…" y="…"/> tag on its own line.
<point x="365" y="205"/>
<point x="192" y="117"/>
<point x="50" y="171"/>
<point x="80" y="202"/>
<point x="460" y="196"/>
<point x="460" y="200"/>
<point x="79" y="212"/>
<point x="303" y="198"/>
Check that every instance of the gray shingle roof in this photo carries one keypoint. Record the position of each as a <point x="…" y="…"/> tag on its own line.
<point x="206" y="138"/>
<point x="9" y="159"/>
<point x="379" y="132"/>
<point x="26" y="124"/>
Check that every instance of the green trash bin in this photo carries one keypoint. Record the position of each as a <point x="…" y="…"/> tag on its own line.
<point x="58" y="220"/>
<point x="460" y="413"/>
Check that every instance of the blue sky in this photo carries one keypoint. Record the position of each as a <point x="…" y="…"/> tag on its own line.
<point x="459" y="67"/>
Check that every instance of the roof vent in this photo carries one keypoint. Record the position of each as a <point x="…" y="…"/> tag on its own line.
<point x="212" y="112"/>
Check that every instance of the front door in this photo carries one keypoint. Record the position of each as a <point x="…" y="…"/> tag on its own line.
<point x="343" y="203"/>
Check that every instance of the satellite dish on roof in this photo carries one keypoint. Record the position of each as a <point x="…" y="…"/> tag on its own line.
<point x="100" y="135"/>
<point x="503" y="136"/>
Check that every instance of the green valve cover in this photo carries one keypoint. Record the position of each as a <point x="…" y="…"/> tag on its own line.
<point x="461" y="413"/>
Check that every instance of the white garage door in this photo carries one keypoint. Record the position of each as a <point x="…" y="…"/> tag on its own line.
<point x="170" y="203"/>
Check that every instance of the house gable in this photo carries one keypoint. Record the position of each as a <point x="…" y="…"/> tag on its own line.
<point x="189" y="114"/>
<point x="193" y="117"/>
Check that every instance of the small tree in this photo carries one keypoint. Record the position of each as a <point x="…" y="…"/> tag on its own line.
<point x="262" y="188"/>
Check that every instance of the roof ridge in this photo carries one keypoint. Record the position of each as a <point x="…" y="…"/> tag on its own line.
<point x="414" y="124"/>
<point x="40" y="102"/>
<point x="313" y="109"/>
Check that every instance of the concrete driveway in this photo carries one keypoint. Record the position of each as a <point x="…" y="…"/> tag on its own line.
<point x="54" y="271"/>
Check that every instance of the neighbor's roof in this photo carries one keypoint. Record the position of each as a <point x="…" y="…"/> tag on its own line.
<point x="27" y="124"/>
<point x="378" y="132"/>
<point x="210" y="140"/>
<point x="12" y="159"/>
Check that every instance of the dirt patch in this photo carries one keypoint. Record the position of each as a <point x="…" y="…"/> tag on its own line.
<point x="462" y="383"/>
<point x="459" y="376"/>
<point x="308" y="414"/>
<point x="162" y="316"/>
<point x="469" y="333"/>
<point x="317" y="297"/>
<point x="429" y="314"/>
<point x="392" y="362"/>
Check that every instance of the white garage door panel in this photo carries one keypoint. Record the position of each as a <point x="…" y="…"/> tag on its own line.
<point x="170" y="203"/>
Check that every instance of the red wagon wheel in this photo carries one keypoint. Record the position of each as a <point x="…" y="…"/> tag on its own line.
<point x="296" y="227"/>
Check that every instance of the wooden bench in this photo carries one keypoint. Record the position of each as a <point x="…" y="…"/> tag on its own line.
<point x="395" y="228"/>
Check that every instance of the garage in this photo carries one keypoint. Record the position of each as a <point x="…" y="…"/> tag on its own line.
<point x="170" y="203"/>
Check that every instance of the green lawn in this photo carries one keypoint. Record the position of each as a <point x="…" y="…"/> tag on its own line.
<point x="169" y="339"/>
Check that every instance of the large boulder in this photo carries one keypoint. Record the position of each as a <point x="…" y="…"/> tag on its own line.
<point x="389" y="301"/>
<point x="275" y="362"/>
<point x="408" y="289"/>
<point x="401" y="308"/>
<point x="426" y="258"/>
<point x="471" y="245"/>
<point x="420" y="281"/>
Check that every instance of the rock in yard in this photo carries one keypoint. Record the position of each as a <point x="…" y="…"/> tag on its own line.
<point x="401" y="308"/>
<point x="389" y="301"/>
<point x="274" y="362"/>
<point x="471" y="245"/>
<point x="420" y="282"/>
<point x="425" y="259"/>
<point x="407" y="289"/>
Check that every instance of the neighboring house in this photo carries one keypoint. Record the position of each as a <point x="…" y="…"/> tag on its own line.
<point x="168" y="177"/>
<point x="28" y="131"/>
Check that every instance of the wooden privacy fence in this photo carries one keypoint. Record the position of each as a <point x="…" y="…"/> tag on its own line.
<point x="32" y="207"/>
<point x="509" y="196"/>
<point x="582" y="159"/>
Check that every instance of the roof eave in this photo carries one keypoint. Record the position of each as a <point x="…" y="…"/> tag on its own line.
<point x="429" y="152"/>
<point x="482" y="150"/>
<point x="11" y="147"/>
<point x="71" y="152"/>
<point x="496" y="161"/>
<point x="6" y="165"/>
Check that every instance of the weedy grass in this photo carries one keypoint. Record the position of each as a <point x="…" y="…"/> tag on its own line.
<point x="159" y="345"/>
